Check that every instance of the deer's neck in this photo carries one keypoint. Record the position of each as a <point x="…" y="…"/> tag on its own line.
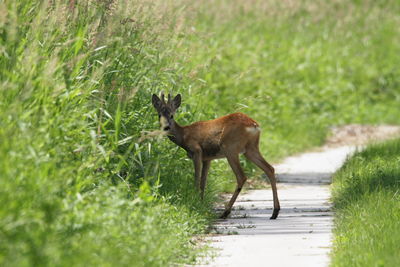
<point x="176" y="135"/>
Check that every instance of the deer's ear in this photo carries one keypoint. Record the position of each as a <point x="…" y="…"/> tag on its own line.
<point x="177" y="101"/>
<point x="156" y="101"/>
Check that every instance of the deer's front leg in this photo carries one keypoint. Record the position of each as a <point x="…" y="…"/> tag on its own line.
<point x="197" y="161"/>
<point x="204" y="173"/>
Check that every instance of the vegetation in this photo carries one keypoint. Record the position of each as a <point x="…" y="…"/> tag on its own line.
<point x="367" y="204"/>
<point x="82" y="183"/>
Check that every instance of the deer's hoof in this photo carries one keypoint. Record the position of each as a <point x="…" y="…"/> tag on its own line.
<point x="274" y="214"/>
<point x="225" y="214"/>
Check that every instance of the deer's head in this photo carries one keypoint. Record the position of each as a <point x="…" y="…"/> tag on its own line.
<point x="166" y="110"/>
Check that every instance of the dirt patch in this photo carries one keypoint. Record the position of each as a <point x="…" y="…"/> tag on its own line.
<point x="356" y="134"/>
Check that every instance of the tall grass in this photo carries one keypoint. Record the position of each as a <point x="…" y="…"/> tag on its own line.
<point x="366" y="197"/>
<point x="77" y="187"/>
<point x="81" y="183"/>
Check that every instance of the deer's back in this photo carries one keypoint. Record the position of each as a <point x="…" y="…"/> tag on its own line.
<point x="232" y="131"/>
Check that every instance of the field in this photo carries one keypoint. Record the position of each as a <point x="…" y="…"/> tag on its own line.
<point x="367" y="204"/>
<point x="82" y="178"/>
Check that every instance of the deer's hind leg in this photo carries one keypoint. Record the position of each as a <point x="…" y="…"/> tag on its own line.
<point x="254" y="155"/>
<point x="233" y="160"/>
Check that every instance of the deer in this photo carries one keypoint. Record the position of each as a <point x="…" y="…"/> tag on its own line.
<point x="224" y="137"/>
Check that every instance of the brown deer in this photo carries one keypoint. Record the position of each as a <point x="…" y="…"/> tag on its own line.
<point x="224" y="137"/>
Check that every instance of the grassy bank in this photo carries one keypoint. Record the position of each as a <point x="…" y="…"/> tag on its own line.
<point x="81" y="183"/>
<point x="77" y="186"/>
<point x="367" y="204"/>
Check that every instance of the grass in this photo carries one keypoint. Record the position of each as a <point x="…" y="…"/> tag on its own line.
<point x="77" y="186"/>
<point x="80" y="181"/>
<point x="366" y="197"/>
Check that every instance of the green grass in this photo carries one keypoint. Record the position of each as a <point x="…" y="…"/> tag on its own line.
<point x="78" y="183"/>
<point x="367" y="204"/>
<point x="77" y="186"/>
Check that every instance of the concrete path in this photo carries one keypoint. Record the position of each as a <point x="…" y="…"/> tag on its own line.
<point x="301" y="236"/>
